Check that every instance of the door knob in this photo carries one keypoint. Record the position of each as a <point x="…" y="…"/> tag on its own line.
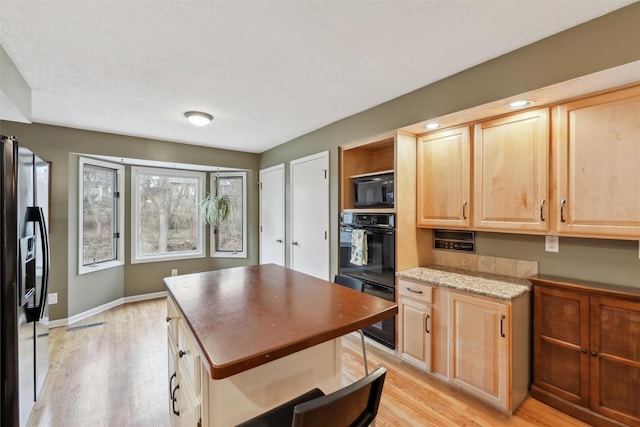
<point x="279" y="240"/>
<point x="294" y="243"/>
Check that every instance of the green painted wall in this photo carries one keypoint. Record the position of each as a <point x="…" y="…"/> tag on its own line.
<point x="80" y="293"/>
<point x="603" y="43"/>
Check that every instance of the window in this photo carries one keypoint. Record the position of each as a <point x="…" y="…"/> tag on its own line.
<point x="229" y="240"/>
<point x="165" y="214"/>
<point x="101" y="211"/>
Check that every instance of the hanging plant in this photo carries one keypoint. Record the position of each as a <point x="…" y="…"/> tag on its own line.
<point x="217" y="208"/>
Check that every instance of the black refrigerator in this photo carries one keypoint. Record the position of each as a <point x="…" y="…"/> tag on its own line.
<point x="24" y="246"/>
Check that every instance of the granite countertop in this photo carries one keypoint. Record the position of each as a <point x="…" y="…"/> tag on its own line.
<point x="491" y="285"/>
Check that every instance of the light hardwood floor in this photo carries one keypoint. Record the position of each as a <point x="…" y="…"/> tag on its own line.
<point x="115" y="374"/>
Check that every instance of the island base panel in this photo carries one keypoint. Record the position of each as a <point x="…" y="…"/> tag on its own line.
<point x="243" y="396"/>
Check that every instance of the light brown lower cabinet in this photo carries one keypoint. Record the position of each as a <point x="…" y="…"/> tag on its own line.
<point x="423" y="333"/>
<point x="587" y="350"/>
<point x="477" y="343"/>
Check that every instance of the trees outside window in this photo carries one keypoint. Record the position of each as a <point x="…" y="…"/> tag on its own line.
<point x="166" y="221"/>
<point x="100" y="215"/>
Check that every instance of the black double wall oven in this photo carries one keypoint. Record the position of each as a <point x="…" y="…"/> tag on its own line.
<point x="373" y="262"/>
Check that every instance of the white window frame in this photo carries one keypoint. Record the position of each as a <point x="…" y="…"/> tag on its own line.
<point x="212" y="237"/>
<point x="119" y="220"/>
<point x="200" y="251"/>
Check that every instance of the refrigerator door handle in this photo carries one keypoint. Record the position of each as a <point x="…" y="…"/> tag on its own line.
<point x="35" y="312"/>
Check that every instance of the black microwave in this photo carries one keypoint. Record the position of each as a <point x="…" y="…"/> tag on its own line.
<point x="373" y="191"/>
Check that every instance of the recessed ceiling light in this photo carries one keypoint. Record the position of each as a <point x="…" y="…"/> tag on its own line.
<point x="198" y="118"/>
<point x="521" y="103"/>
<point x="432" y="126"/>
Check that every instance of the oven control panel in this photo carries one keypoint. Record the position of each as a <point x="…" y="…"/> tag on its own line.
<point x="374" y="220"/>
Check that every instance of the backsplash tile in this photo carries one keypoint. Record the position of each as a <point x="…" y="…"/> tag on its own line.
<point x="439" y="257"/>
<point x="506" y="267"/>
<point x="485" y="264"/>
<point x="526" y="268"/>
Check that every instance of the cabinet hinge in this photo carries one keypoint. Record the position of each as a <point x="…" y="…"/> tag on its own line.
<point x="260" y="185"/>
<point x="116" y="194"/>
<point x="325" y="173"/>
<point x="116" y="235"/>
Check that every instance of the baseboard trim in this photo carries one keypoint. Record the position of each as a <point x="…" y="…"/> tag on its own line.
<point x="104" y="307"/>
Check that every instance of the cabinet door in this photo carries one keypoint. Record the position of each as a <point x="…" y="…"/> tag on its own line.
<point x="444" y="179"/>
<point x="510" y="172"/>
<point x="615" y="359"/>
<point x="416" y="333"/>
<point x="172" y="372"/>
<point x="561" y="343"/>
<point x="598" y="143"/>
<point x="187" y="405"/>
<point x="479" y="346"/>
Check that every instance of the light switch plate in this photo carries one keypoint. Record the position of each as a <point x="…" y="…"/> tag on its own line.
<point x="552" y="243"/>
<point x="174" y="271"/>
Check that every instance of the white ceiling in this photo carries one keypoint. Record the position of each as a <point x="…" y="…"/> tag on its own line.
<point x="269" y="71"/>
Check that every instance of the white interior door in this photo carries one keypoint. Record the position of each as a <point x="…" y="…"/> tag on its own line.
<point x="310" y="215"/>
<point x="272" y="215"/>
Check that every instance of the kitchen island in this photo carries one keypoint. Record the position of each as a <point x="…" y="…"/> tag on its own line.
<point x="243" y="340"/>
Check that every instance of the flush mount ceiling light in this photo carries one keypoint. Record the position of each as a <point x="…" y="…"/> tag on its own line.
<point x="198" y="118"/>
<point x="521" y="103"/>
<point x="432" y="126"/>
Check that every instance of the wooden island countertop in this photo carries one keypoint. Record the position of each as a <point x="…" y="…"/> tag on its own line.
<point x="247" y="316"/>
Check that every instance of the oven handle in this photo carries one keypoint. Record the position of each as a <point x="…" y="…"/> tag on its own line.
<point x="373" y="232"/>
<point x="379" y="290"/>
<point x="369" y="230"/>
<point x="349" y="227"/>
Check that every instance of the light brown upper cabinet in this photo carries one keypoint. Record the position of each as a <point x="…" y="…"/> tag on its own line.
<point x="511" y="156"/>
<point x="444" y="179"/>
<point x="598" y="166"/>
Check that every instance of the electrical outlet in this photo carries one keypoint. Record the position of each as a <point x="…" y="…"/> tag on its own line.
<point x="174" y="271"/>
<point x="53" y="298"/>
<point x="552" y="243"/>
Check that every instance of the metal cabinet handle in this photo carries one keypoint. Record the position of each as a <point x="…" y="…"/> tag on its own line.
<point x="171" y="382"/>
<point x="502" y="317"/>
<point x="415" y="292"/>
<point x="174" y="399"/>
<point x="464" y="210"/>
<point x="279" y="241"/>
<point x="181" y="353"/>
<point x="542" y="210"/>
<point x="426" y="324"/>
<point x="168" y="319"/>
<point x="563" y="202"/>
<point x="594" y="354"/>
<point x="584" y="350"/>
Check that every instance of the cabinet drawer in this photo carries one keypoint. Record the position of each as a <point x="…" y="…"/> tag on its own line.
<point x="188" y="357"/>
<point x="415" y="290"/>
